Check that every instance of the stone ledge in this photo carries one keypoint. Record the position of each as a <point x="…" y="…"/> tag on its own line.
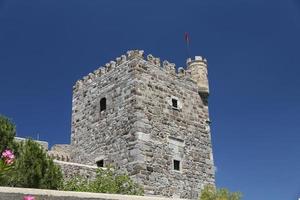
<point x="75" y="164"/>
<point x="12" y="193"/>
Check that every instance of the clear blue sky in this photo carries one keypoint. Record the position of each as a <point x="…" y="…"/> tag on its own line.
<point x="253" y="50"/>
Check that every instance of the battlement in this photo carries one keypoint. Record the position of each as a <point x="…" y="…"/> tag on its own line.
<point x="197" y="59"/>
<point x="60" y="152"/>
<point x="187" y="72"/>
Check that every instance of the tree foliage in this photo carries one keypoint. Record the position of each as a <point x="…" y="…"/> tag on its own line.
<point x="211" y="193"/>
<point x="7" y="143"/>
<point x="7" y="134"/>
<point x="106" y="181"/>
<point x="34" y="168"/>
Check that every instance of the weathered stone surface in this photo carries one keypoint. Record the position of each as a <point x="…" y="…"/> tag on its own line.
<point x="9" y="193"/>
<point x="60" y="152"/>
<point x="153" y="116"/>
<point x="70" y="169"/>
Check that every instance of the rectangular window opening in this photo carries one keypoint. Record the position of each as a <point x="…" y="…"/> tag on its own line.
<point x="100" y="163"/>
<point x="176" y="165"/>
<point x="102" y="104"/>
<point x="175" y="103"/>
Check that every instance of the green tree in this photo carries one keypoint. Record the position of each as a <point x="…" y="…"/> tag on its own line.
<point x="211" y="193"/>
<point x="34" y="168"/>
<point x="7" y="134"/>
<point x="106" y="181"/>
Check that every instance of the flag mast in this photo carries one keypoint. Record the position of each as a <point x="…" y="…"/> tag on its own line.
<point x="187" y="42"/>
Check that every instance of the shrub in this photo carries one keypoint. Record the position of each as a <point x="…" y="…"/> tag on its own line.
<point x="76" y="183"/>
<point x="211" y="193"/>
<point x="106" y="181"/>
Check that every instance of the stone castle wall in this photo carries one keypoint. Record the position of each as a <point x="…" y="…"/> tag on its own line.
<point x="61" y="152"/>
<point x="166" y="133"/>
<point x="141" y="131"/>
<point x="70" y="169"/>
<point x="104" y="135"/>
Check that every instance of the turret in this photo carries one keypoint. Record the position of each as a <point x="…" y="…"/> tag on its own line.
<point x="198" y="70"/>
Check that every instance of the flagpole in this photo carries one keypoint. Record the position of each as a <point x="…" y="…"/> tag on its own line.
<point x="187" y="42"/>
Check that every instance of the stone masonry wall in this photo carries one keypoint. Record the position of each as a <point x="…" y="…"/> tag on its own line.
<point x="60" y="152"/>
<point x="141" y="131"/>
<point x="70" y="169"/>
<point x="105" y="135"/>
<point x="166" y="133"/>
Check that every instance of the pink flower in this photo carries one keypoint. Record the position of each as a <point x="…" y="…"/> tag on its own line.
<point x="28" y="197"/>
<point x="8" y="154"/>
<point x="8" y="157"/>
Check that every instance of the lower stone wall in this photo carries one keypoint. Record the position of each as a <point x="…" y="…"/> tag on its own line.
<point x="9" y="193"/>
<point x="70" y="169"/>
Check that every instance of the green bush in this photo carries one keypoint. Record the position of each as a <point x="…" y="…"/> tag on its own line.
<point x="211" y="193"/>
<point x="106" y="181"/>
<point x="76" y="183"/>
<point x="34" y="168"/>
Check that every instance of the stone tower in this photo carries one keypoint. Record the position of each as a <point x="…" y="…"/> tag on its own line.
<point x="143" y="117"/>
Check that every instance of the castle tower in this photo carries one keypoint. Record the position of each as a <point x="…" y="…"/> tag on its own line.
<point x="144" y="118"/>
<point x="198" y="70"/>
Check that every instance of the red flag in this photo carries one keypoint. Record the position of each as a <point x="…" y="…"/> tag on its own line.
<point x="187" y="37"/>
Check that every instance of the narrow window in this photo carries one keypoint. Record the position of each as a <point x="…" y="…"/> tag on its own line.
<point x="100" y="163"/>
<point x="175" y="103"/>
<point x="102" y="104"/>
<point x="176" y="164"/>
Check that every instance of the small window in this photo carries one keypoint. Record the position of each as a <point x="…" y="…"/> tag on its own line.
<point x="175" y="103"/>
<point x="102" y="104"/>
<point x="100" y="163"/>
<point x="176" y="165"/>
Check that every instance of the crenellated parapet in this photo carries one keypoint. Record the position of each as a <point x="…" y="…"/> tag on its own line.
<point x="181" y="72"/>
<point x="60" y="152"/>
<point x="169" y="67"/>
<point x="135" y="54"/>
<point x="108" y="67"/>
<point x="189" y="72"/>
<point x="153" y="60"/>
<point x="196" y="69"/>
<point x="59" y="156"/>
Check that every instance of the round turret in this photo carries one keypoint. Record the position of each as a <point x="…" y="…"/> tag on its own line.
<point x="198" y="70"/>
